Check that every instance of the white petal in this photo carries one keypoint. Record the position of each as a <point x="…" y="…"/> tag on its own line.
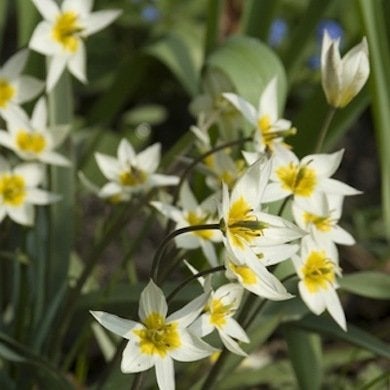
<point x="83" y="7"/>
<point x="39" y="115"/>
<point x="232" y="345"/>
<point x="273" y="192"/>
<point x="42" y="42"/>
<point x="325" y="165"/>
<point x="158" y="180"/>
<point x="29" y="87"/>
<point x="47" y="8"/>
<point x="187" y="314"/>
<point x="333" y="186"/>
<point x="99" y="20"/>
<point x="126" y="154"/>
<point x="314" y="301"/>
<point x="165" y="373"/>
<point x="32" y="173"/>
<point x="268" y="103"/>
<point x="135" y="361"/>
<point x="152" y="300"/>
<point x="41" y="197"/>
<point x="77" y="63"/>
<point x="23" y="214"/>
<point x="120" y="326"/>
<point x="243" y="106"/>
<point x="341" y="236"/>
<point x="56" y="68"/>
<point x="108" y="165"/>
<point x="187" y="198"/>
<point x="6" y="140"/>
<point x="209" y="252"/>
<point x="15" y="65"/>
<point x="169" y="211"/>
<point x="233" y="329"/>
<point x="149" y="159"/>
<point x="334" y="308"/>
<point x="111" y="189"/>
<point x="192" y="348"/>
<point x="54" y="158"/>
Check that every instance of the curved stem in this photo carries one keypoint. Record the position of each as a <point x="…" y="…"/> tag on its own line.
<point x="161" y="249"/>
<point x="283" y="205"/>
<point x="193" y="277"/>
<point x="137" y="383"/>
<point x="324" y="129"/>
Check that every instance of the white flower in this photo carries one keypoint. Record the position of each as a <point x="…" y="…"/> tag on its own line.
<point x="319" y="216"/>
<point x="246" y="228"/>
<point x="218" y="314"/>
<point x="15" y="88"/>
<point x="32" y="140"/>
<point x="192" y="214"/>
<point x="343" y="78"/>
<point x="304" y="178"/>
<point x="158" y="339"/>
<point x="61" y="35"/>
<point x="131" y="172"/>
<point x="270" y="128"/>
<point x="19" y="192"/>
<point x="317" y="268"/>
<point x="254" y="277"/>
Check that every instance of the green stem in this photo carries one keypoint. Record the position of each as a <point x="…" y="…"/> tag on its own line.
<point x="161" y="249"/>
<point x="214" y="9"/>
<point x="192" y="278"/>
<point x="283" y="205"/>
<point x="137" y="383"/>
<point x="324" y="129"/>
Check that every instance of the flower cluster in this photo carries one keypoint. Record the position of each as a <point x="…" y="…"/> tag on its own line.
<point x="234" y="227"/>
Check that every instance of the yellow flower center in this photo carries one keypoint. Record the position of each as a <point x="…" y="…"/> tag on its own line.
<point x="195" y="219"/>
<point x="322" y="223"/>
<point x="300" y="181"/>
<point x="318" y="271"/>
<point x="243" y="226"/>
<point x="66" y="31"/>
<point x="158" y="337"/>
<point x="7" y="92"/>
<point x="12" y="189"/>
<point x="219" y="312"/>
<point x="246" y="275"/>
<point x="30" y="142"/>
<point x="132" y="177"/>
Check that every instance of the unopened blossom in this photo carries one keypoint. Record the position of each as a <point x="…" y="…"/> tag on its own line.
<point x="15" y="88"/>
<point x="130" y="172"/>
<point x="245" y="226"/>
<point x="317" y="268"/>
<point x="32" y="139"/>
<point x="158" y="339"/>
<point x="304" y="178"/>
<point x="191" y="213"/>
<point x="218" y="313"/>
<point x="319" y="216"/>
<point x="61" y="35"/>
<point x="19" y="191"/>
<point x="270" y="129"/>
<point x="343" y="77"/>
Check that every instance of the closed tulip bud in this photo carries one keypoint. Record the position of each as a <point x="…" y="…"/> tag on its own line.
<point x="343" y="78"/>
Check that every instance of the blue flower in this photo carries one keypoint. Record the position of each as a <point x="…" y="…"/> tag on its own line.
<point x="278" y="32"/>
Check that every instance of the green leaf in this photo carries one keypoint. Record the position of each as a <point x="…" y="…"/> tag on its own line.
<point x="374" y="22"/>
<point x="304" y="350"/>
<point x="180" y="51"/>
<point x="354" y="335"/>
<point x="249" y="65"/>
<point x="27" y="16"/>
<point x="368" y="284"/>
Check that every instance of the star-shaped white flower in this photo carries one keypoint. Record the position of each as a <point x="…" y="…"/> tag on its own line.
<point x="19" y="192"/>
<point x="319" y="216"/>
<point x="32" y="139"/>
<point x="192" y="213"/>
<point x="61" y="35"/>
<point x="15" y="88"/>
<point x="131" y="173"/>
<point x="270" y="128"/>
<point x="306" y="177"/>
<point x="343" y="78"/>
<point x="317" y="268"/>
<point x="158" y="339"/>
<point x="245" y="226"/>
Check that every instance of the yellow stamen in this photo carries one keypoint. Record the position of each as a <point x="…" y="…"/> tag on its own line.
<point x="66" y="31"/>
<point x="322" y="223"/>
<point x="318" y="271"/>
<point x="158" y="337"/>
<point x="132" y="177"/>
<point x="219" y="312"/>
<point x="12" y="189"/>
<point x="30" y="142"/>
<point x="300" y="181"/>
<point x="7" y="92"/>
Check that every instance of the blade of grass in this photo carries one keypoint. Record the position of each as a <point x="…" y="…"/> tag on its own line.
<point x="214" y="10"/>
<point x="378" y="42"/>
<point x="27" y="17"/>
